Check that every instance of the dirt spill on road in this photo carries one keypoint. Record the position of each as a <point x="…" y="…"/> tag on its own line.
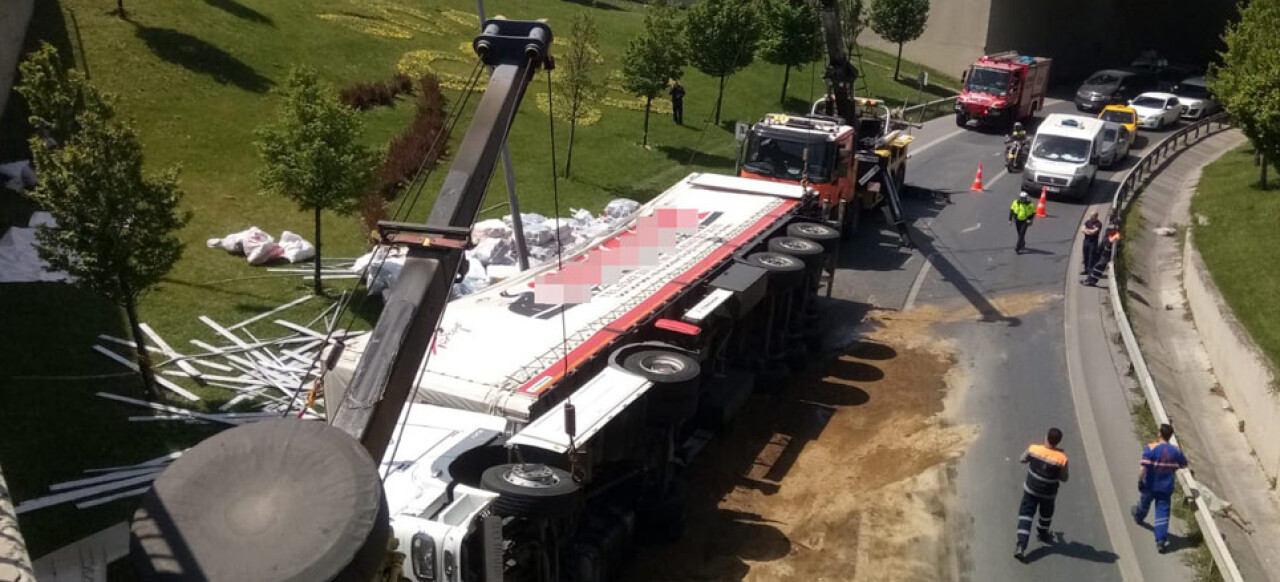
<point x="847" y="475"/>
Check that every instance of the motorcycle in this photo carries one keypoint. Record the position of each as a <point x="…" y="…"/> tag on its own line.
<point x="1015" y="155"/>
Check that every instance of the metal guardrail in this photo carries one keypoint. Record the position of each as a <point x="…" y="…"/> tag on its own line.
<point x="925" y="108"/>
<point x="1130" y="188"/>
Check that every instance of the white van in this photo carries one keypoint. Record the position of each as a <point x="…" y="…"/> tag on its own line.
<point x="1064" y="155"/>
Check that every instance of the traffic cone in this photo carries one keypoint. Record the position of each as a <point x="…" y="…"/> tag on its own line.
<point x="977" y="180"/>
<point x="1044" y="194"/>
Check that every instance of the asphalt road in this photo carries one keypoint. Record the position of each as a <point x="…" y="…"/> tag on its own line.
<point x="1016" y="362"/>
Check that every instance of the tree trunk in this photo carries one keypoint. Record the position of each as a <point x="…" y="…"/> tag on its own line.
<point x="1264" y="171"/>
<point x="568" y="159"/>
<point x="898" y="65"/>
<point x="719" y="98"/>
<point x="120" y="8"/>
<point x="786" y="78"/>
<point x="144" y="358"/>
<point x="647" y="101"/>
<point x="319" y="286"/>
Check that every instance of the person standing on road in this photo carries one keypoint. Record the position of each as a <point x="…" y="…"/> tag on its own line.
<point x="677" y="102"/>
<point x="1046" y="469"/>
<point x="1160" y="462"/>
<point x="1092" y="229"/>
<point x="1021" y="213"/>
<point x="1109" y="246"/>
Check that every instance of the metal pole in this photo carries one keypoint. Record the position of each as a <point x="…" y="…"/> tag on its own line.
<point x="517" y="222"/>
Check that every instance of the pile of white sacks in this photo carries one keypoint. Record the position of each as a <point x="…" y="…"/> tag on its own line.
<point x="493" y="255"/>
<point x="258" y="247"/>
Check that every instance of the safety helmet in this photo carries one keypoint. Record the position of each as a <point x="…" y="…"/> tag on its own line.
<point x="1022" y="194"/>
<point x="1017" y="126"/>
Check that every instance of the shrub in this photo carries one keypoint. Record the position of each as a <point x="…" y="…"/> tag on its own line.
<point x="402" y="84"/>
<point x="364" y="96"/>
<point x="412" y="149"/>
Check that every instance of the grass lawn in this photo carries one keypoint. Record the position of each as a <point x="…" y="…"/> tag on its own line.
<point x="1241" y="244"/>
<point x="196" y="77"/>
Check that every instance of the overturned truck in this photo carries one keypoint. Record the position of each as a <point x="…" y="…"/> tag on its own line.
<point x="532" y="431"/>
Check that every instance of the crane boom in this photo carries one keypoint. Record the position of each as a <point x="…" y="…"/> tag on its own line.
<point x="840" y="73"/>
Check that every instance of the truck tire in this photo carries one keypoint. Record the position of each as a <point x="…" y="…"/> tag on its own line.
<point x="804" y="249"/>
<point x="673" y="398"/>
<point x="822" y="234"/>
<point x="961" y="120"/>
<point x="784" y="270"/>
<point x="532" y="490"/>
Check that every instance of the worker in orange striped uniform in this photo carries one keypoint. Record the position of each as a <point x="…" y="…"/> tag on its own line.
<point x="1046" y="469"/>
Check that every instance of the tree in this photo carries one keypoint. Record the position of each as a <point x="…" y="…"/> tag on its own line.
<point x="899" y="22"/>
<point x="852" y="21"/>
<point x="115" y="233"/>
<point x="653" y="57"/>
<point x="789" y="36"/>
<point x="55" y="96"/>
<point x="1247" y="83"/>
<point x="579" y="74"/>
<point x="721" y="36"/>
<point x="312" y="152"/>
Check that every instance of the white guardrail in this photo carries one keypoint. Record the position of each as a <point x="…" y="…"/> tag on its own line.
<point x="1129" y="189"/>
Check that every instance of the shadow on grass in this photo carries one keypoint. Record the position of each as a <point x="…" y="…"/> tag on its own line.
<point x="201" y="57"/>
<point x="690" y="156"/>
<point x="796" y="105"/>
<point x="914" y="85"/>
<point x="239" y="10"/>
<point x="594" y="4"/>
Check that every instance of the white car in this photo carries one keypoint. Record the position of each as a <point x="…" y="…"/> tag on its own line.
<point x="1195" y="98"/>
<point x="1157" y="110"/>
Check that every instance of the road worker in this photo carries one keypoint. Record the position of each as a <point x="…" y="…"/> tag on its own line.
<point x="1160" y="462"/>
<point x="1046" y="469"/>
<point x="1021" y="213"/>
<point x="1110" y="245"/>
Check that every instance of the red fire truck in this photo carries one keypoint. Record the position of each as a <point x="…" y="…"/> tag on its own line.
<point x="1003" y="88"/>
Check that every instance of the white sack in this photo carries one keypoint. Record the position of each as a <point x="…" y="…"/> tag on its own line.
<point x="295" y="247"/>
<point x="621" y="208"/>
<point x="487" y="229"/>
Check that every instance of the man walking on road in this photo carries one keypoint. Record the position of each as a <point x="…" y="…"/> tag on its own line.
<point x="1046" y="469"/>
<point x="1092" y="229"/>
<point x="1160" y="462"/>
<point x="677" y="102"/>
<point x="1021" y="213"/>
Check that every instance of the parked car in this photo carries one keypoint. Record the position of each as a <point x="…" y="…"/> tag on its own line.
<point x="1112" y="86"/>
<point x="1168" y="77"/>
<point x="1114" y="145"/>
<point x="1124" y="115"/>
<point x="1196" y="100"/>
<point x="1157" y="110"/>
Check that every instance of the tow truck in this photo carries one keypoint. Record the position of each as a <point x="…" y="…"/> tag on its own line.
<point x="848" y="149"/>
<point x="531" y="431"/>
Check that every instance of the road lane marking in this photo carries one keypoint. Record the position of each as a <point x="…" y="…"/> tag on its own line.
<point x="971" y="228"/>
<point x="921" y="149"/>
<point x="917" y="283"/>
<point x="1113" y="514"/>
<point x="992" y="182"/>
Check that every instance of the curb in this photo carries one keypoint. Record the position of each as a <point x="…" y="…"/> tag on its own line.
<point x="1130" y="188"/>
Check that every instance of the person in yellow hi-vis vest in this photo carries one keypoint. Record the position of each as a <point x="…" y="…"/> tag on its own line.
<point x="1021" y="213"/>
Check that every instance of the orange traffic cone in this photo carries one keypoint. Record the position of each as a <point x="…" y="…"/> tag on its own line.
<point x="977" y="180"/>
<point x="1040" y="211"/>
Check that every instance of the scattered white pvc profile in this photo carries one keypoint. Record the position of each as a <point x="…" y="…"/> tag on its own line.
<point x="302" y="330"/>
<point x="125" y="342"/>
<point x="168" y="350"/>
<point x="110" y="498"/>
<point x="159" y="380"/>
<point x="297" y="301"/>
<point x="211" y="365"/>
<point x="42" y="502"/>
<point x="165" y="418"/>
<point x="222" y="331"/>
<point x="162" y="459"/>
<point x="166" y="408"/>
<point x="116" y="476"/>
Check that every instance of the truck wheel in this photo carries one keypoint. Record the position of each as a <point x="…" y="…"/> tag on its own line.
<point x="784" y="269"/>
<point x="673" y="398"/>
<point x="806" y="250"/>
<point x="961" y="120"/>
<point x="820" y="233"/>
<point x="531" y="490"/>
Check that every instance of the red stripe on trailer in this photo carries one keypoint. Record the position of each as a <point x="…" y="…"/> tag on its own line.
<point x="540" y="383"/>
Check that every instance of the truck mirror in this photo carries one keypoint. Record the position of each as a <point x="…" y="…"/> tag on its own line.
<point x="964" y="75"/>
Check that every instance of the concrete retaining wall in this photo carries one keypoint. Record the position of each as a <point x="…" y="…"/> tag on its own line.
<point x="14" y="17"/>
<point x="1241" y="368"/>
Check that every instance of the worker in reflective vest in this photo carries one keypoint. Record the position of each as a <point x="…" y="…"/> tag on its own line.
<point x="1021" y="213"/>
<point x="1160" y="463"/>
<point x="1046" y="469"/>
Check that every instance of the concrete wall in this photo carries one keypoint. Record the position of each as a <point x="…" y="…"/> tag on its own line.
<point x="1241" y="368"/>
<point x="1080" y="35"/>
<point x="955" y="36"/>
<point x="14" y="16"/>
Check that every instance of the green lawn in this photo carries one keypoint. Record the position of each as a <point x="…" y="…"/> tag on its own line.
<point x="196" y="76"/>
<point x="1241" y="244"/>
